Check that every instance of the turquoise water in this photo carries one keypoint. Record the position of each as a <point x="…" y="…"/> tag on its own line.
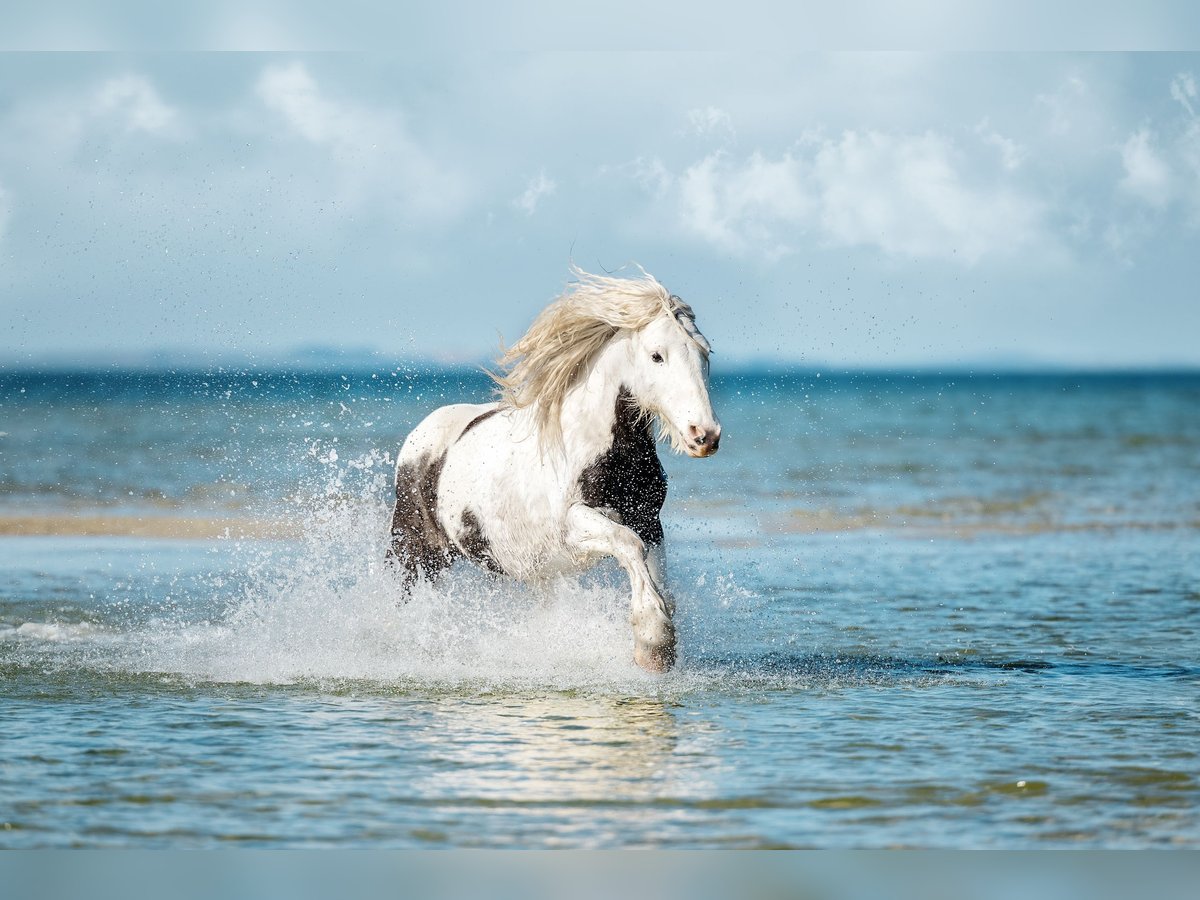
<point x="930" y="610"/>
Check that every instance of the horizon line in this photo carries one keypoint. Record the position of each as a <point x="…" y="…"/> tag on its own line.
<point x="736" y="367"/>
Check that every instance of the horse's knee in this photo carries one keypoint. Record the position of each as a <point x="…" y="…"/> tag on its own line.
<point x="628" y="542"/>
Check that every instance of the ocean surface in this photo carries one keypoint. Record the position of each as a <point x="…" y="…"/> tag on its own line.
<point x="936" y="610"/>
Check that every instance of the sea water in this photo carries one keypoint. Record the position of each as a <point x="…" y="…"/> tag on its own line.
<point x="939" y="610"/>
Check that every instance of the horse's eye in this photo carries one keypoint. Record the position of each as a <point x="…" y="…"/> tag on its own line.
<point x="656" y="356"/>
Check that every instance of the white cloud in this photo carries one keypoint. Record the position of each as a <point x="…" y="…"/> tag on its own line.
<point x="1147" y="175"/>
<point x="906" y="195"/>
<point x="1012" y="154"/>
<point x="538" y="187"/>
<point x="1064" y="104"/>
<point x="903" y="194"/>
<point x="1183" y="91"/>
<point x="136" y="103"/>
<point x="1160" y="164"/>
<point x="652" y="175"/>
<point x="291" y="91"/>
<point x="378" y="157"/>
<point x="743" y="206"/>
<point x="47" y="130"/>
<point x="711" y="121"/>
<point x="1189" y="155"/>
<point x="648" y="172"/>
<point x="1184" y="148"/>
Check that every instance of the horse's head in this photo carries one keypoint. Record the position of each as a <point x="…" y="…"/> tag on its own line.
<point x="646" y="337"/>
<point x="669" y="379"/>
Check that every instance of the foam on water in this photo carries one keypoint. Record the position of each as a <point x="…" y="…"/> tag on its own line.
<point x="52" y="631"/>
<point x="311" y="626"/>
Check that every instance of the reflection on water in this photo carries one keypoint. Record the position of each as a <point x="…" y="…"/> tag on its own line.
<point x="585" y="750"/>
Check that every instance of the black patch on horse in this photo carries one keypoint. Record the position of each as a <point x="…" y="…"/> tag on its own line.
<point x="628" y="477"/>
<point x="479" y="418"/>
<point x="475" y="545"/>
<point x="419" y="543"/>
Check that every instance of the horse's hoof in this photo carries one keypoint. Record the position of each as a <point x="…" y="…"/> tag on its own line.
<point x="655" y="658"/>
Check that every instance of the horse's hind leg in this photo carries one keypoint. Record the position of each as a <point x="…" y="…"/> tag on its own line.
<point x="590" y="532"/>
<point x="418" y="544"/>
<point x="401" y="556"/>
<point x="400" y="560"/>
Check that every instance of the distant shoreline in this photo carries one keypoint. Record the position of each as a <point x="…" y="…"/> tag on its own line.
<point x="142" y="526"/>
<point x="911" y="523"/>
<point x="723" y="368"/>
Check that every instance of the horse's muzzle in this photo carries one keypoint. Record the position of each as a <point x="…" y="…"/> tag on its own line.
<point x="703" y="442"/>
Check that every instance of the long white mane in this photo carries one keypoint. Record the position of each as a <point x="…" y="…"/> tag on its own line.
<point x="560" y="345"/>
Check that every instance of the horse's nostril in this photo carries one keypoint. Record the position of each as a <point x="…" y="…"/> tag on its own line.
<point x="702" y="440"/>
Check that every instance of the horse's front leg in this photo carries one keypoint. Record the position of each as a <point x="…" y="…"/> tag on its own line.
<point x="656" y="562"/>
<point x="589" y="533"/>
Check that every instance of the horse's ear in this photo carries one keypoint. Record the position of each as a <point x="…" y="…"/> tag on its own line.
<point x="687" y="320"/>
<point x="679" y="308"/>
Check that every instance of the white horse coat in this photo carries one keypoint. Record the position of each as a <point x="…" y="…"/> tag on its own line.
<point x="564" y="468"/>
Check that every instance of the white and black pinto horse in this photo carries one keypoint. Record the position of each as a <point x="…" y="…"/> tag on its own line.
<point x="563" y="469"/>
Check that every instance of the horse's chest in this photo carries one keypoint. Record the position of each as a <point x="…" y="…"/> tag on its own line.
<point x="627" y="477"/>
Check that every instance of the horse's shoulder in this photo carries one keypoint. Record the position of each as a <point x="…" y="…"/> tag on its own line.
<point x="627" y="477"/>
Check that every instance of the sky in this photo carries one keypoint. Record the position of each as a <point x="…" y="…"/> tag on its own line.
<point x="818" y="209"/>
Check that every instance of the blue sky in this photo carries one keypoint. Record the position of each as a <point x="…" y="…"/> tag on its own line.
<point x="823" y="209"/>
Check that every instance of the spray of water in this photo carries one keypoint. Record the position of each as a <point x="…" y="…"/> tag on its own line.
<point x="324" y="607"/>
<point x="327" y="607"/>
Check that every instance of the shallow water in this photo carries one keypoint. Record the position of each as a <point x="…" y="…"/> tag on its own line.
<point x="912" y="612"/>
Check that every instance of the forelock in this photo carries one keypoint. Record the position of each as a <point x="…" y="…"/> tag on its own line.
<point x="687" y="321"/>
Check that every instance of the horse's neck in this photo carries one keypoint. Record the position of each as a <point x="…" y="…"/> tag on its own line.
<point x="589" y="411"/>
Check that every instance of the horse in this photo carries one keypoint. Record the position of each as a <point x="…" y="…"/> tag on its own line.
<point x="563" y="468"/>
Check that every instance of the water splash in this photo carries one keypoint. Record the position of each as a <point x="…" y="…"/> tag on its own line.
<point x="326" y="607"/>
<point x="464" y="631"/>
